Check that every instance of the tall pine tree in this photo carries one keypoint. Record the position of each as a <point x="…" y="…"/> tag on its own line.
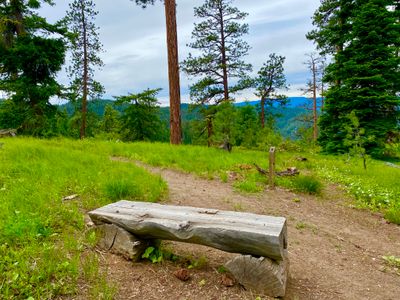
<point x="85" y="47"/>
<point x="173" y="68"/>
<point x="269" y="82"/>
<point x="218" y="38"/>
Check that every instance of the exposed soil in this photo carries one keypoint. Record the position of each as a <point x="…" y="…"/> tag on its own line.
<point x="335" y="251"/>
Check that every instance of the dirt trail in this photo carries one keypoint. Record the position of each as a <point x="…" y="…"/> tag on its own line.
<point x="335" y="251"/>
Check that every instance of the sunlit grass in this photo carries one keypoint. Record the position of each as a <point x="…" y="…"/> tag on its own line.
<point x="42" y="237"/>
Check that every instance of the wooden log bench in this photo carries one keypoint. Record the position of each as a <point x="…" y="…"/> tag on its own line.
<point x="261" y="240"/>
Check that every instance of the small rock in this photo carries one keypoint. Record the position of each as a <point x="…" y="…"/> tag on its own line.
<point x="71" y="197"/>
<point x="182" y="274"/>
<point x="227" y="280"/>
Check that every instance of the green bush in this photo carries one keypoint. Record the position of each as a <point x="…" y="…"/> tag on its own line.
<point x="307" y="184"/>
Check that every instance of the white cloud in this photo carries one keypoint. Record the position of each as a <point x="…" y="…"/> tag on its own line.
<point x="135" y="43"/>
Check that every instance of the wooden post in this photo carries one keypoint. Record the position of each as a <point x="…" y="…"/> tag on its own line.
<point x="272" y="168"/>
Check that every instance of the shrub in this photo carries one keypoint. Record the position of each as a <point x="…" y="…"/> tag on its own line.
<point x="307" y="184"/>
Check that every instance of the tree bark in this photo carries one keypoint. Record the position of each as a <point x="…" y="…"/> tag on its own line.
<point x="173" y="73"/>
<point x="262" y="112"/>
<point x="223" y="57"/>
<point x="315" y="116"/>
<point x="85" y="75"/>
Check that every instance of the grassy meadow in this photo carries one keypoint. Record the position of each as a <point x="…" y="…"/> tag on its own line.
<point x="46" y="249"/>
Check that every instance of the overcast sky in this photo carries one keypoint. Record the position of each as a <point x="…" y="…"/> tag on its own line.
<point x="134" y="41"/>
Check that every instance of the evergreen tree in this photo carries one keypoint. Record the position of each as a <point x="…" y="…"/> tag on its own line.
<point x="29" y="61"/>
<point x="269" y="81"/>
<point x="140" y="120"/>
<point x="224" y="125"/>
<point x="247" y="126"/>
<point x="364" y="77"/>
<point x="222" y="52"/>
<point x="85" y="47"/>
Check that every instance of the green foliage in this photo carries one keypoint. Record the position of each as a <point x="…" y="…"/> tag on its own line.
<point x="217" y="38"/>
<point x="392" y="214"/>
<point x="364" y="37"/>
<point x="247" y="126"/>
<point x="307" y="184"/>
<point x="356" y="139"/>
<point x="42" y="239"/>
<point x="158" y="254"/>
<point x="30" y="60"/>
<point x="224" y="124"/>
<point x="140" y="120"/>
<point x="392" y="261"/>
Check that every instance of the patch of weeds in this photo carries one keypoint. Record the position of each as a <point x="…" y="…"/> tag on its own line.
<point x="223" y="176"/>
<point x="238" y="207"/>
<point x="248" y="186"/>
<point x="117" y="189"/>
<point x="307" y="184"/>
<point x="303" y="225"/>
<point x="158" y="254"/>
<point x="222" y="270"/>
<point x="199" y="263"/>
<point x="392" y="214"/>
<point x="393" y="262"/>
<point x="202" y="282"/>
<point x="99" y="287"/>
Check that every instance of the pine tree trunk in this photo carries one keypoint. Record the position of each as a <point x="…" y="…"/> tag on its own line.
<point x="262" y="112"/>
<point x="209" y="131"/>
<point x="173" y="73"/>
<point x="315" y="117"/>
<point x="223" y="57"/>
<point x="85" y="76"/>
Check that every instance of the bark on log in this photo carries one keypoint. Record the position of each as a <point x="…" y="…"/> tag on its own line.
<point x="292" y="171"/>
<point x="244" y="233"/>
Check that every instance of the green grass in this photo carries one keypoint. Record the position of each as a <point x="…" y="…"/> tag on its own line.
<point x="42" y="238"/>
<point x="376" y="188"/>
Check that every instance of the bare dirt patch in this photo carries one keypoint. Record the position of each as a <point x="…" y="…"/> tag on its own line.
<point x="335" y="251"/>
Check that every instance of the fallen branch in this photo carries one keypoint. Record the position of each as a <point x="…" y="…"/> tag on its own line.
<point x="292" y="171"/>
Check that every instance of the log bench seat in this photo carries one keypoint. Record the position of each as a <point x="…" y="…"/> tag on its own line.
<point x="260" y="240"/>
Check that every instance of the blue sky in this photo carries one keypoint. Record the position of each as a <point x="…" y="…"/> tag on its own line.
<point x="134" y="41"/>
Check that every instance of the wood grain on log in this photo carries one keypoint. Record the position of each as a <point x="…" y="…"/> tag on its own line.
<point x="236" y="232"/>
<point x="261" y="275"/>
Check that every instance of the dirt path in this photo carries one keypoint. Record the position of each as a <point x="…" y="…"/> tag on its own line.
<point x="335" y="251"/>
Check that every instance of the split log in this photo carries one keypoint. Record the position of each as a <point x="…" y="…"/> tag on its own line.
<point x="235" y="232"/>
<point x="8" y="132"/>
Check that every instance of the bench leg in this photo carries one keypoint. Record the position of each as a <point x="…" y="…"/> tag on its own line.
<point x="262" y="275"/>
<point x="119" y="241"/>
